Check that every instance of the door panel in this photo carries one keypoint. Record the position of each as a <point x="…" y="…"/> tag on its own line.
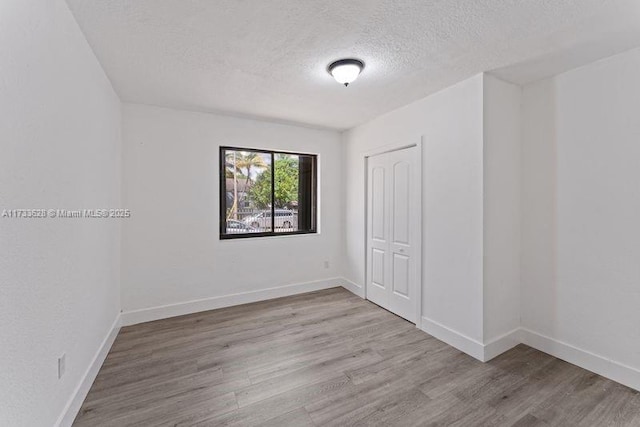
<point x="401" y="171"/>
<point x="377" y="268"/>
<point x="377" y="203"/>
<point x="393" y="231"/>
<point x="401" y="275"/>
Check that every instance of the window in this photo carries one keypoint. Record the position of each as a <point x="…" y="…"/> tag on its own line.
<point x="253" y="203"/>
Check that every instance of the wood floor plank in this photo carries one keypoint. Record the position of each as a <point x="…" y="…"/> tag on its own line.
<point x="280" y="404"/>
<point x="329" y="358"/>
<point x="295" y="418"/>
<point x="315" y="373"/>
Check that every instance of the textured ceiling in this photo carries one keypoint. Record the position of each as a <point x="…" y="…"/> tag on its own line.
<point x="268" y="58"/>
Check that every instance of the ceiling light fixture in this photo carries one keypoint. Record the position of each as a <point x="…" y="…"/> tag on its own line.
<point x="345" y="71"/>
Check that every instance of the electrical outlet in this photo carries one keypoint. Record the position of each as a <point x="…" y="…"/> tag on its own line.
<point x="326" y="264"/>
<point x="62" y="365"/>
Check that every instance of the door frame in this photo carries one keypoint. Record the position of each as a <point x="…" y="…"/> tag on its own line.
<point x="418" y="143"/>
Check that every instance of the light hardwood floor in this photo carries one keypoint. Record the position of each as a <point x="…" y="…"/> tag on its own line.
<point x="331" y="358"/>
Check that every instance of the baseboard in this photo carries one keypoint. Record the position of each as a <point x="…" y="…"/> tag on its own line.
<point x="503" y="343"/>
<point x="600" y="365"/>
<point x="82" y="389"/>
<point x="172" y="310"/>
<point x="352" y="287"/>
<point x="592" y="362"/>
<point x="454" y="338"/>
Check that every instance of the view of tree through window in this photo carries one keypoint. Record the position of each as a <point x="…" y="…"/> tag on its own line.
<point x="266" y="193"/>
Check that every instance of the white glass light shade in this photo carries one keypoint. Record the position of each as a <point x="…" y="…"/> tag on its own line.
<point x="346" y="71"/>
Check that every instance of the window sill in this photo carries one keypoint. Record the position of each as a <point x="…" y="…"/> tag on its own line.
<point x="245" y="237"/>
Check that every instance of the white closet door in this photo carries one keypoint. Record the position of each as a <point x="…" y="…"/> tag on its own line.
<point x="393" y="230"/>
<point x="378" y="275"/>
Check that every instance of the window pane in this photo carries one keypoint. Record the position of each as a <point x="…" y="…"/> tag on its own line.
<point x="307" y="193"/>
<point x="248" y="191"/>
<point x="286" y="192"/>
<point x="293" y="193"/>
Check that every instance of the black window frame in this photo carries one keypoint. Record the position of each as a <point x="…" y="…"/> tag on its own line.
<point x="313" y="202"/>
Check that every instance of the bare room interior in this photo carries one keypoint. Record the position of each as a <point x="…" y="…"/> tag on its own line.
<point x="319" y="213"/>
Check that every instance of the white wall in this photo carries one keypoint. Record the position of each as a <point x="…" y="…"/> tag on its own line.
<point x="581" y="210"/>
<point x="560" y="216"/>
<point x="450" y="123"/>
<point x="60" y="139"/>
<point x="502" y="172"/>
<point x="171" y="249"/>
